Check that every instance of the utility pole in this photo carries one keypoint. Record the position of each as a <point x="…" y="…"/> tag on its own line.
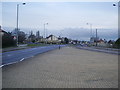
<point x="96" y="37"/>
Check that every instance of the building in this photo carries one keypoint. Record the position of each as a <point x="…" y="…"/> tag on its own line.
<point x="37" y="34"/>
<point x="52" y="38"/>
<point x="38" y="37"/>
<point x="2" y="32"/>
<point x="32" y="37"/>
<point x="94" y="39"/>
<point x="7" y="39"/>
<point x="61" y="39"/>
<point x="15" y="32"/>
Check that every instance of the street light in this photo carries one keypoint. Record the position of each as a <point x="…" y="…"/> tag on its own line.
<point x="114" y="4"/>
<point x="60" y="36"/>
<point x="61" y="32"/>
<point x="90" y="29"/>
<point x="45" y="30"/>
<point x="18" y="20"/>
<point x="96" y="37"/>
<point x="118" y="5"/>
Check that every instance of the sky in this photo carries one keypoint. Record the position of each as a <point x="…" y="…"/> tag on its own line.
<point x="64" y="18"/>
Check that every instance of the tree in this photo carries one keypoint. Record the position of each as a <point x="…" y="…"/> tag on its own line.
<point x="117" y="43"/>
<point x="110" y="42"/>
<point x="21" y="36"/>
<point x="7" y="40"/>
<point x="32" y="38"/>
<point x="66" y="40"/>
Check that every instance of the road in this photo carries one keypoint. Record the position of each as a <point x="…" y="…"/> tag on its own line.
<point x="65" y="68"/>
<point x="19" y="55"/>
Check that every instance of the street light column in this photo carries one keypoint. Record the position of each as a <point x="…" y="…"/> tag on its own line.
<point x="44" y="30"/>
<point x="91" y="29"/>
<point x="17" y="22"/>
<point x="96" y="37"/>
<point x="118" y="6"/>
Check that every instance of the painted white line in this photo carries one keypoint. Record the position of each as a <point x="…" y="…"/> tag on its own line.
<point x="11" y="63"/>
<point x="25" y="58"/>
<point x="22" y="59"/>
<point x="8" y="64"/>
<point x="1" y="66"/>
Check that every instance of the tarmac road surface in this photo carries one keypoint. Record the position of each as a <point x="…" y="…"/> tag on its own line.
<point x="19" y="55"/>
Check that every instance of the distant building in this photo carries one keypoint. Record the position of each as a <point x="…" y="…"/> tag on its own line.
<point x="74" y="42"/>
<point x="94" y="39"/>
<point x="14" y="32"/>
<point x="61" y="39"/>
<point x="101" y="41"/>
<point x="2" y="32"/>
<point x="7" y="39"/>
<point x="37" y="34"/>
<point x="32" y="37"/>
<point x="52" y="38"/>
<point x="38" y="37"/>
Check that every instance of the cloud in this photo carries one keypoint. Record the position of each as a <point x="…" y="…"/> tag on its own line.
<point x="73" y="33"/>
<point x="66" y="16"/>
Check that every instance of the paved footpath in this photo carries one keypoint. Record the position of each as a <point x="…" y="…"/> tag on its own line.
<point x="65" y="68"/>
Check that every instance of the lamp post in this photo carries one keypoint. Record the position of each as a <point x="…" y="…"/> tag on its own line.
<point x="45" y="30"/>
<point x="61" y="32"/>
<point x="118" y="5"/>
<point x="17" y="21"/>
<point x="96" y="37"/>
<point x="90" y="32"/>
<point x="90" y="29"/>
<point x="60" y="36"/>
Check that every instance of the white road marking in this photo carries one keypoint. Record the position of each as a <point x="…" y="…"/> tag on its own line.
<point x="22" y="59"/>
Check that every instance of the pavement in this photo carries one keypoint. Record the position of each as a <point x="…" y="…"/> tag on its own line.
<point x="100" y="49"/>
<point x="68" y="67"/>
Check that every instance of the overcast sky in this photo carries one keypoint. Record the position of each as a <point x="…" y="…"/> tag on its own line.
<point x="69" y="18"/>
